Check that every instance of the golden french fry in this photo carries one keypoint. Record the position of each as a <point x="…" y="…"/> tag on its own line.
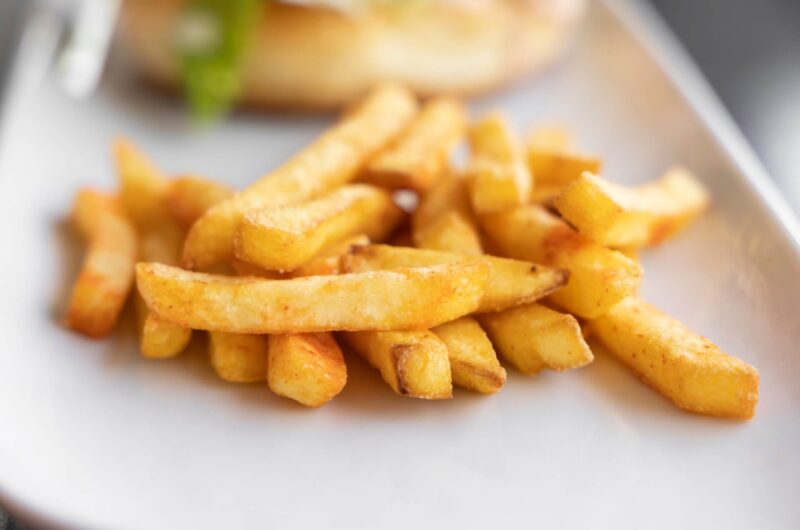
<point x="161" y="339"/>
<point x="473" y="362"/>
<point x="107" y="273"/>
<point x="546" y="193"/>
<point x="413" y="363"/>
<point x="332" y="160"/>
<point x="286" y="238"/>
<point x="510" y="282"/>
<point x="689" y="369"/>
<point x="498" y="177"/>
<point x="416" y="298"/>
<point x="308" y="368"/>
<point x="142" y="184"/>
<point x="238" y="358"/>
<point x="599" y="277"/>
<point x="189" y="197"/>
<point x="160" y="237"/>
<point x="553" y="162"/>
<point x="324" y="263"/>
<point x="618" y="216"/>
<point x="532" y="337"/>
<point x="444" y="220"/>
<point x="419" y="155"/>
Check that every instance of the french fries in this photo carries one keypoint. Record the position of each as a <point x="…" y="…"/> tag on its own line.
<point x="473" y="362"/>
<point x="622" y="217"/>
<point x="286" y="238"/>
<point x="497" y="175"/>
<point x="688" y="369"/>
<point x="444" y="220"/>
<point x="427" y="317"/>
<point x="417" y="298"/>
<point x="510" y="282"/>
<point x="189" y="197"/>
<point x="552" y="162"/>
<point x="143" y="192"/>
<point x="238" y="358"/>
<point x="107" y="273"/>
<point x="419" y="155"/>
<point x="332" y="160"/>
<point x="599" y="277"/>
<point x="308" y="368"/>
<point x="413" y="363"/>
<point x="142" y="184"/>
<point x="532" y="337"/>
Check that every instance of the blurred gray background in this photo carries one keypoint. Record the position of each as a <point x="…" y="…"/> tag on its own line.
<point x="748" y="49"/>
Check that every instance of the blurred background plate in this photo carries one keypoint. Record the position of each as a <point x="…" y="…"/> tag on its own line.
<point x="95" y="437"/>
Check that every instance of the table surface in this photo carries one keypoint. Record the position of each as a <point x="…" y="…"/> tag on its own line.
<point x="749" y="51"/>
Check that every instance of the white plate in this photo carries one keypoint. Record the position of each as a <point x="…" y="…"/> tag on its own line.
<point x="92" y="436"/>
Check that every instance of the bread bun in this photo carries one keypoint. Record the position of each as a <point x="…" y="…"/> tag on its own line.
<point x="319" y="57"/>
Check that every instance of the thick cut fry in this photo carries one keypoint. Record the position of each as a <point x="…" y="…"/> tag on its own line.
<point x="498" y="177"/>
<point x="308" y="368"/>
<point x="161" y="339"/>
<point x="473" y="362"/>
<point x="413" y="363"/>
<point x="685" y="367"/>
<point x="143" y="187"/>
<point x="599" y="277"/>
<point x="418" y="157"/>
<point x="532" y="337"/>
<point x="189" y="197"/>
<point x="238" y="358"/>
<point x="618" y="216"/>
<point x="286" y="238"/>
<point x="417" y="298"/>
<point x="553" y="162"/>
<point x="160" y="238"/>
<point x="332" y="160"/>
<point x="510" y="282"/>
<point x="107" y="274"/>
<point x="325" y="263"/>
<point x="444" y="219"/>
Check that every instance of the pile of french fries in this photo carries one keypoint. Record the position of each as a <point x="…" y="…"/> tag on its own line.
<point x="517" y="257"/>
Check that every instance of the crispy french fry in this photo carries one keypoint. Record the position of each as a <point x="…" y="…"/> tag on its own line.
<point x="286" y="238"/>
<point x="532" y="337"/>
<point x="324" y="263"/>
<point x="553" y="162"/>
<point x="160" y="237"/>
<point x="107" y="273"/>
<point x="689" y="369"/>
<point x="618" y="216"/>
<point x="599" y="277"/>
<point x="473" y="362"/>
<point x="413" y="363"/>
<point x="238" y="358"/>
<point x="444" y="219"/>
<point x="417" y="298"/>
<point x="142" y="184"/>
<point x="161" y="339"/>
<point x="498" y="177"/>
<point x="189" y="197"/>
<point x="545" y="193"/>
<point x="417" y="158"/>
<point x="332" y="160"/>
<point x="510" y="282"/>
<point x="308" y="368"/>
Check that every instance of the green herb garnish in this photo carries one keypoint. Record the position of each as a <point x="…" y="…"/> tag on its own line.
<point x="211" y="41"/>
